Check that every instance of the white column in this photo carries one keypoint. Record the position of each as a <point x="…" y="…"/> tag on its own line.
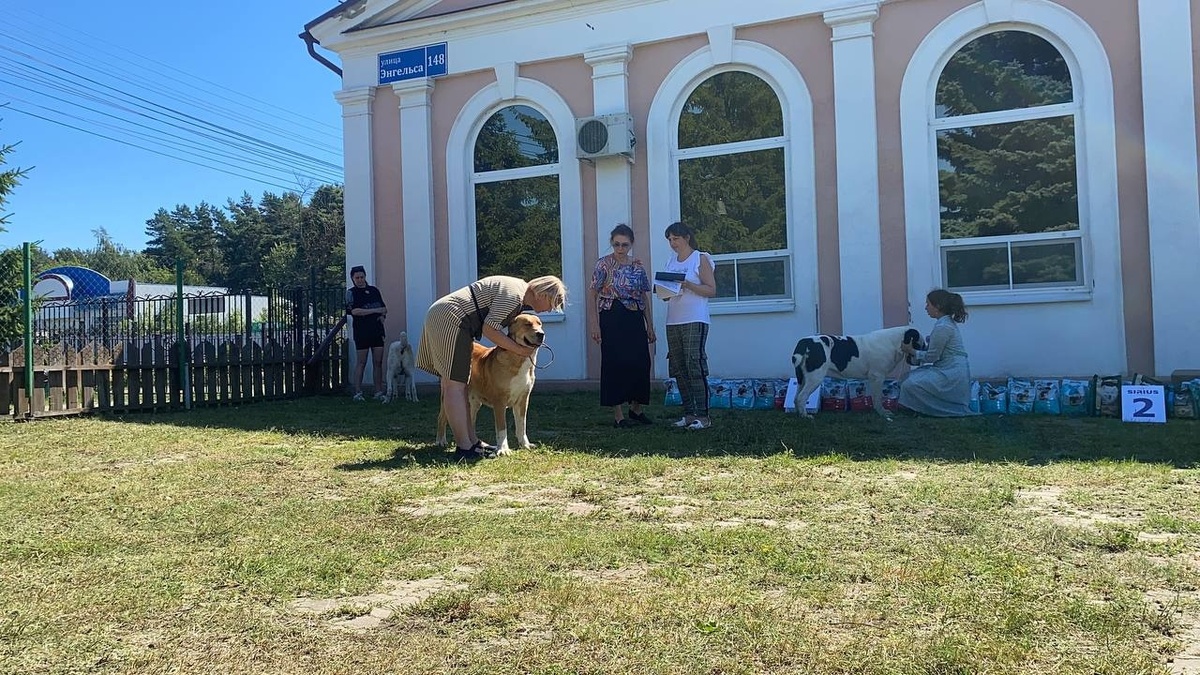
<point x="857" y="166"/>
<point x="1169" y="108"/>
<point x="416" y="164"/>
<point x="610" y="91"/>
<point x="358" y="199"/>
<point x="359" y="195"/>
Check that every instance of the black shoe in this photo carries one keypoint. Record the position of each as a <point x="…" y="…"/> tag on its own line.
<point x="475" y="452"/>
<point x="640" y="417"/>
<point x="624" y="424"/>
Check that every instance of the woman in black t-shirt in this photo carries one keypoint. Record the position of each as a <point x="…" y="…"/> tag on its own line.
<point x="367" y="310"/>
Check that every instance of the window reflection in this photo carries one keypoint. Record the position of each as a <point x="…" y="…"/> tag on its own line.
<point x="1005" y="70"/>
<point x="1043" y="264"/>
<point x="515" y="137"/>
<point x="736" y="202"/>
<point x="730" y="107"/>
<point x="517" y="229"/>
<point x="732" y="166"/>
<point x="1016" y="178"/>
<point x="1007" y="174"/>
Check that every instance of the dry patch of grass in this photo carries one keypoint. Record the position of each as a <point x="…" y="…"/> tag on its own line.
<point x="322" y="537"/>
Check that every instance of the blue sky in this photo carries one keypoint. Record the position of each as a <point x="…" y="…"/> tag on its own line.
<point x="175" y="68"/>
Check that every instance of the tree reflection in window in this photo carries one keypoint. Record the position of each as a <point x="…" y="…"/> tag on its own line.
<point x="516" y="186"/>
<point x="732" y="183"/>
<point x="1005" y="127"/>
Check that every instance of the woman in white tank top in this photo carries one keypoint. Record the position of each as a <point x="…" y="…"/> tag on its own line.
<point x="687" y="325"/>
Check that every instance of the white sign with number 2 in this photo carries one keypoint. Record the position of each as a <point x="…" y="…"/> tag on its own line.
<point x="1143" y="403"/>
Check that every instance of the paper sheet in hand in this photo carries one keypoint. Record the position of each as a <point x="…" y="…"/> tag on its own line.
<point x="667" y="289"/>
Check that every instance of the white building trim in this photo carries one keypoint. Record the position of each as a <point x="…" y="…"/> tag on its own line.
<point x="1172" y="192"/>
<point x="568" y="337"/>
<point x="1092" y="322"/>
<point x="857" y="137"/>
<point x="416" y="169"/>
<point x="522" y="32"/>
<point x="359" y="192"/>
<point x="614" y="179"/>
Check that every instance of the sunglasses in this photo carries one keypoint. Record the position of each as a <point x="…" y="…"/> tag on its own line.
<point x="621" y="244"/>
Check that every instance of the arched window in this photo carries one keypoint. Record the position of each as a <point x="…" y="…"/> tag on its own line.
<point x="730" y="152"/>
<point x="515" y="179"/>
<point x="1005" y="120"/>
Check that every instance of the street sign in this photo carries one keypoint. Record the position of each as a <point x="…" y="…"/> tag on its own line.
<point x="410" y="64"/>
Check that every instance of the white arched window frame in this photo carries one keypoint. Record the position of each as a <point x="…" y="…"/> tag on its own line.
<point x="1095" y="145"/>
<point x="461" y="179"/>
<point x="505" y="175"/>
<point x="664" y="155"/>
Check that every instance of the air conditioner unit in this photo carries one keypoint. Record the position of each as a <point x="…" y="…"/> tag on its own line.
<point x="604" y="136"/>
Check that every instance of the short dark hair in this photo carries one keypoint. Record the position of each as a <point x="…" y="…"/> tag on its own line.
<point x="622" y="230"/>
<point x="678" y="229"/>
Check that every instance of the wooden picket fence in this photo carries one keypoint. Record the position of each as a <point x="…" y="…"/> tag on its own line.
<point x="145" y="376"/>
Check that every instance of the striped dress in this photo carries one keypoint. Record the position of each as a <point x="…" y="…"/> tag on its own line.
<point x="452" y="324"/>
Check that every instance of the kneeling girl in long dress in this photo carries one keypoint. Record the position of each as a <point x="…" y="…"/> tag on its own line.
<point x="941" y="384"/>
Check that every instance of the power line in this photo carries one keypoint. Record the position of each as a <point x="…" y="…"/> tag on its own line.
<point x="88" y="94"/>
<point x="139" y="147"/>
<point x="172" y="93"/>
<point x="181" y="144"/>
<point x="85" y="94"/>
<point x="334" y="129"/>
<point x="178" y="114"/>
<point x="150" y="113"/>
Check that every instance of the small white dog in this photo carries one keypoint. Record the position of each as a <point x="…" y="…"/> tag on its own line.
<point x="401" y="369"/>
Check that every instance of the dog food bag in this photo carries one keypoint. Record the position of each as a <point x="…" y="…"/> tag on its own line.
<point x="719" y="393"/>
<point x="1184" y="406"/>
<point x="834" y="394"/>
<point x="974" y="402"/>
<point x="891" y="395"/>
<point x="1045" y="401"/>
<point x="741" y="394"/>
<point x="1020" y="396"/>
<point x="993" y="398"/>
<point x="1074" y="397"/>
<point x="781" y="390"/>
<point x="858" y="393"/>
<point x="1107" y="393"/>
<point x="764" y="394"/>
<point x="672" y="396"/>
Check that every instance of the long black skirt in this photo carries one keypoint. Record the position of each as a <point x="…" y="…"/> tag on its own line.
<point x="624" y="357"/>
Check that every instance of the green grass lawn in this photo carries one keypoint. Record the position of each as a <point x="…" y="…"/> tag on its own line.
<point x="326" y="536"/>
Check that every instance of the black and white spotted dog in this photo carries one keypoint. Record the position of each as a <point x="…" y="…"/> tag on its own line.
<point x="871" y="357"/>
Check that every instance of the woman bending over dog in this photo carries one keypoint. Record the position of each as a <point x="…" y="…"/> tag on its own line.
<point x="482" y="309"/>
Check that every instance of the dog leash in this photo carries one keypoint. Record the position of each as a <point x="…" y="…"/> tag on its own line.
<point x="547" y="348"/>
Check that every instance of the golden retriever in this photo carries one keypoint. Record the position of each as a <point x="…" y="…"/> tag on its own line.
<point x="501" y="379"/>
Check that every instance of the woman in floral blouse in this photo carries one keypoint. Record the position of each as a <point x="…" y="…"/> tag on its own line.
<point x="623" y="328"/>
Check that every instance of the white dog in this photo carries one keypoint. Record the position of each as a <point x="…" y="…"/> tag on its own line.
<point x="871" y="356"/>
<point x="401" y="369"/>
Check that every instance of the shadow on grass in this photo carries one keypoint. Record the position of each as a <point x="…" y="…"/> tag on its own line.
<point x="574" y="422"/>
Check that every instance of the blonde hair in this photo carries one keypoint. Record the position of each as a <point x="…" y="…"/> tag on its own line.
<point x="550" y="287"/>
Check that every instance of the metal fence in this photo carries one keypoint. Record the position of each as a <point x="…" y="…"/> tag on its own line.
<point x="177" y="351"/>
